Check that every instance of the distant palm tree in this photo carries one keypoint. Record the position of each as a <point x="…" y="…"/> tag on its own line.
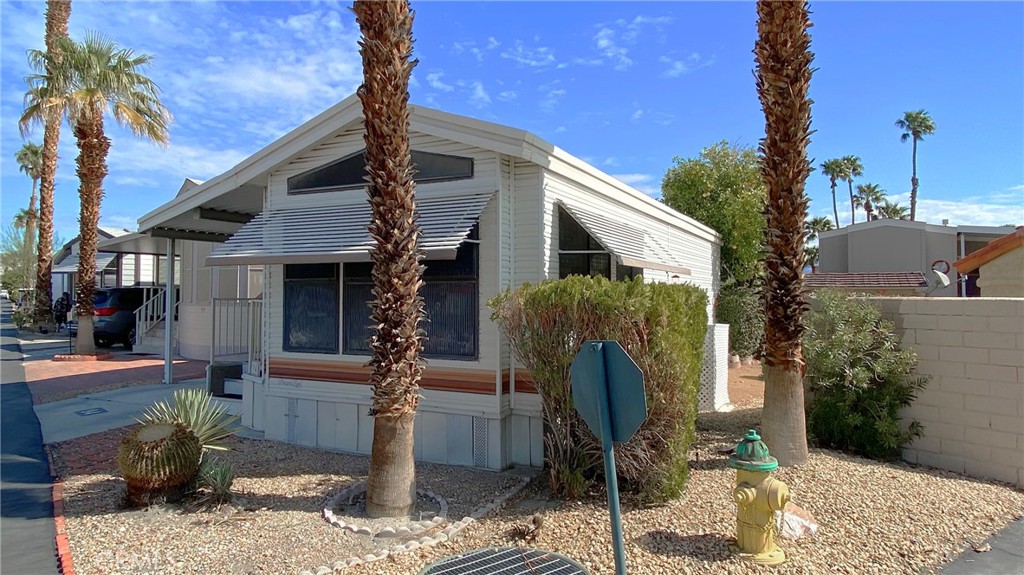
<point x="868" y="197"/>
<point x="816" y="225"/>
<point x="58" y="13"/>
<point x="835" y="170"/>
<point x="30" y="162"/>
<point x="915" y="125"/>
<point x="397" y="307"/>
<point x="893" y="210"/>
<point x="811" y="256"/>
<point x="854" y="169"/>
<point x="88" y="79"/>
<point x="783" y="76"/>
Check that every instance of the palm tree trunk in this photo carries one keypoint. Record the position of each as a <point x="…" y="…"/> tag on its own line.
<point x="397" y="307"/>
<point x="853" y="207"/>
<point x="835" y="206"/>
<point x="93" y="146"/>
<point x="31" y="226"/>
<point x="783" y="59"/>
<point x="58" y="12"/>
<point x="913" y="180"/>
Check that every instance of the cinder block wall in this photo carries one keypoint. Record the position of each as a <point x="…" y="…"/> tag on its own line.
<point x="972" y="349"/>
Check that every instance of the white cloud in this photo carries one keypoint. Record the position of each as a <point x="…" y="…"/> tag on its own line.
<point x="507" y="95"/>
<point x="479" y="96"/>
<point x="538" y="57"/>
<point x="434" y="81"/>
<point x="646" y="183"/>
<point x="983" y="210"/>
<point x="550" y="96"/>
<point x="639" y="113"/>
<point x="492" y="43"/>
<point x="560" y="130"/>
<point x="633" y="28"/>
<point x="606" y="45"/>
<point x="684" y="66"/>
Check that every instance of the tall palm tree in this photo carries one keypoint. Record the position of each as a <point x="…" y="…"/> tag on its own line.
<point x="811" y="256"/>
<point x="397" y="308"/>
<point x="89" y="79"/>
<point x="835" y="169"/>
<point x="30" y="162"/>
<point x="854" y="169"/>
<point x="816" y="225"/>
<point x="893" y="210"/>
<point x="58" y="13"/>
<point x="869" y="196"/>
<point x="783" y="57"/>
<point x="915" y="125"/>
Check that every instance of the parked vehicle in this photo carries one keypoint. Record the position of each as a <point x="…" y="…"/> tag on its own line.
<point x="115" y="316"/>
<point x="4" y="294"/>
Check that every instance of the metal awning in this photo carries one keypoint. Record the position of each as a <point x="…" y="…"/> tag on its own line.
<point x="137" y="244"/>
<point x="339" y="233"/>
<point x="69" y="265"/>
<point x="631" y="246"/>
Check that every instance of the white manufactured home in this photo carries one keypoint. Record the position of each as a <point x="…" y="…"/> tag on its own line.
<point x="281" y="239"/>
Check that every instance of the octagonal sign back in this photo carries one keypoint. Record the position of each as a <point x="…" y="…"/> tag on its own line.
<point x="608" y="390"/>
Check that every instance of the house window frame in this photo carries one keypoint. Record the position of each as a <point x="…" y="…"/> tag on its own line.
<point x="287" y="315"/>
<point x="628" y="272"/>
<point x="362" y="184"/>
<point x="474" y="280"/>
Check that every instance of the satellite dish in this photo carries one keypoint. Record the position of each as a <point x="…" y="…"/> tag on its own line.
<point x="939" y="281"/>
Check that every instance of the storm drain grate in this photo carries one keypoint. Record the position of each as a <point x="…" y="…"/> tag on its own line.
<point x="506" y="561"/>
<point x="90" y="411"/>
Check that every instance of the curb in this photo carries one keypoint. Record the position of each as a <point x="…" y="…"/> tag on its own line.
<point x="65" y="566"/>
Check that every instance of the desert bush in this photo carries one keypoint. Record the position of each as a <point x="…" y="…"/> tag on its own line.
<point x="661" y="326"/>
<point x="740" y="306"/>
<point x="214" y="482"/>
<point x="192" y="408"/>
<point x="22" y="316"/>
<point x="858" y="378"/>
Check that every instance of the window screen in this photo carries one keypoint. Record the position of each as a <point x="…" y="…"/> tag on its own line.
<point x="349" y="172"/>
<point x="310" y="308"/>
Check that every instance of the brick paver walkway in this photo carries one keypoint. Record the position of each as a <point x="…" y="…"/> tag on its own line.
<point x="96" y="453"/>
<point x="51" y="380"/>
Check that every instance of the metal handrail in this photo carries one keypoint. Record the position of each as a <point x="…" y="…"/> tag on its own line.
<point x="236" y="327"/>
<point x="152" y="312"/>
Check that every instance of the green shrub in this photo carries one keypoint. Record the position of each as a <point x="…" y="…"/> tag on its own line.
<point x="192" y="408"/>
<point x="215" y="479"/>
<point x="740" y="306"/>
<point x="661" y="326"/>
<point x="858" y="378"/>
<point x="22" y="316"/>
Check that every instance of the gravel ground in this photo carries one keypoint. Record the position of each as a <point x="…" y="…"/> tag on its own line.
<point x="875" y="518"/>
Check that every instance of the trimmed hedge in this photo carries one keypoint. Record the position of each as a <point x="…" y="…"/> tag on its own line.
<point x="661" y="326"/>
<point x="741" y="307"/>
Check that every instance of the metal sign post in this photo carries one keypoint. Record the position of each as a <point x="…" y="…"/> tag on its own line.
<point x="608" y="392"/>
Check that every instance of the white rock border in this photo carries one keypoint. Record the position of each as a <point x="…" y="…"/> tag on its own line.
<point x="449" y="532"/>
<point x="408" y="530"/>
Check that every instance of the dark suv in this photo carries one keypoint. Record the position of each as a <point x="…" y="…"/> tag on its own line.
<point x="115" y="316"/>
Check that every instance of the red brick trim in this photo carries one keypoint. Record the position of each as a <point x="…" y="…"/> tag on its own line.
<point x="65" y="566"/>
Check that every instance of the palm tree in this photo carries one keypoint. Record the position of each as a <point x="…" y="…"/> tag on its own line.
<point x="868" y="197"/>
<point x="811" y="256"/>
<point x="30" y="161"/>
<point x="854" y="169"/>
<point x="915" y="125"/>
<point x="893" y="210"/>
<point x="835" y="170"/>
<point x="89" y="78"/>
<point x="816" y="225"/>
<point x="397" y="307"/>
<point x="58" y="13"/>
<point x="783" y="57"/>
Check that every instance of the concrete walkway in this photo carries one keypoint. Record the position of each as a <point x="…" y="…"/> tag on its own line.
<point x="27" y="532"/>
<point x="1005" y="558"/>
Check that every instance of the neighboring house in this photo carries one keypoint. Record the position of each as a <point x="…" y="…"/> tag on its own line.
<point x="876" y="283"/>
<point x="112" y="269"/>
<point x="999" y="266"/>
<point x="275" y="257"/>
<point x="888" y="245"/>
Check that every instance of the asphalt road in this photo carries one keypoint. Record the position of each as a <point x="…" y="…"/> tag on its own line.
<point x="27" y="531"/>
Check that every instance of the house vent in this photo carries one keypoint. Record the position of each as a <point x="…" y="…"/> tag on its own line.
<point x="506" y="561"/>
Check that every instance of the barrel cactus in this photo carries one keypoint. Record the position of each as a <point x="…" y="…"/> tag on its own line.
<point x="158" y="461"/>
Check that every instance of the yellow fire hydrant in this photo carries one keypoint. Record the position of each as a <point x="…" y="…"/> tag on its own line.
<point x="758" y="497"/>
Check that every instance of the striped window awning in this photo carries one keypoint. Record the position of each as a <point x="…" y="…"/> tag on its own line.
<point x="630" y="245"/>
<point x="324" y="234"/>
<point x="69" y="265"/>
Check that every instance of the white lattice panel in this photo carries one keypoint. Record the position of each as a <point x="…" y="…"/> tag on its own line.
<point x="714" y="374"/>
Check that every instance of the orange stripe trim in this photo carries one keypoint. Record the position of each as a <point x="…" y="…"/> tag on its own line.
<point x="439" y="379"/>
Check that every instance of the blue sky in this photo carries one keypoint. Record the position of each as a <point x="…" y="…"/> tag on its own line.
<point x="624" y="85"/>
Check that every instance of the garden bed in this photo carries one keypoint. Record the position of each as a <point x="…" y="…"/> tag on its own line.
<point x="875" y="518"/>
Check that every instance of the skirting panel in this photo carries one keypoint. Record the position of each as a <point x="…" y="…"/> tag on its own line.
<point x="714" y="374"/>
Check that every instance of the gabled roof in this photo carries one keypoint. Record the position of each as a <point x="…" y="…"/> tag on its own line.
<point x="872" y="280"/>
<point x="251" y="172"/>
<point x="993" y="250"/>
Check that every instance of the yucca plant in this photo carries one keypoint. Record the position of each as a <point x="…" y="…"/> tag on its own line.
<point x="215" y="478"/>
<point x="209" y="422"/>
<point x="159" y="460"/>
